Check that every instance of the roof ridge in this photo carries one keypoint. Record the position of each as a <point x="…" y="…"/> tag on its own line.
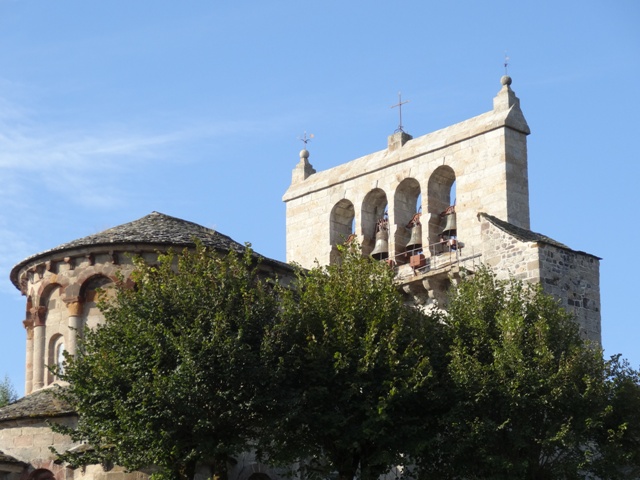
<point x="528" y="235"/>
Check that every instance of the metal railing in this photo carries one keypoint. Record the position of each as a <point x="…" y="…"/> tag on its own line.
<point x="441" y="255"/>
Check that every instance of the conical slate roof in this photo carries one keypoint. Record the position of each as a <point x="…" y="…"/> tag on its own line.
<point x="155" y="229"/>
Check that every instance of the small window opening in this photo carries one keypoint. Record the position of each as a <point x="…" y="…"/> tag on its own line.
<point x="60" y="361"/>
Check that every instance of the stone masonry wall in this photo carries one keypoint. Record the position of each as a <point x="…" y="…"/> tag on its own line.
<point x="29" y="440"/>
<point x="574" y="278"/>
<point x="508" y="256"/>
<point x="569" y="276"/>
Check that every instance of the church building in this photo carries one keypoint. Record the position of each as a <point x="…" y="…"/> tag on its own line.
<point x="433" y="207"/>
<point x="438" y="205"/>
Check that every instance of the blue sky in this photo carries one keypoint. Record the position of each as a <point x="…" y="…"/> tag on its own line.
<point x="111" y="110"/>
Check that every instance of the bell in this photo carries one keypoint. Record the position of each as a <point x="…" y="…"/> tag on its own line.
<point x="450" y="224"/>
<point x="381" y="248"/>
<point x="415" y="242"/>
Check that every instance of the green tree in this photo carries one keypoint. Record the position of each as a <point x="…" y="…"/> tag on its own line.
<point x="169" y="379"/>
<point x="530" y="399"/>
<point x="354" y="371"/>
<point x="7" y="392"/>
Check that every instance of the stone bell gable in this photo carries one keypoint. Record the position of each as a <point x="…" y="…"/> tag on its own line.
<point x="486" y="157"/>
<point x="435" y="207"/>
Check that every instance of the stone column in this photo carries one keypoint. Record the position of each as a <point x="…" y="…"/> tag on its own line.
<point x="28" y="380"/>
<point x="39" y="337"/>
<point x="75" y="325"/>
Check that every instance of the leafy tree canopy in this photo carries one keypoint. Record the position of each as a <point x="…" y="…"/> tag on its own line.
<point x="8" y="394"/>
<point x="203" y="360"/>
<point x="531" y="400"/>
<point x="170" y="377"/>
<point x="355" y="370"/>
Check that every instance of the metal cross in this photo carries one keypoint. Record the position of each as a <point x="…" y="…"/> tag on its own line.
<point x="506" y="63"/>
<point x="399" y="105"/>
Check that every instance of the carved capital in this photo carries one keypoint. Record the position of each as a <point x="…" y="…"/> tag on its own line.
<point x="75" y="308"/>
<point x="38" y="315"/>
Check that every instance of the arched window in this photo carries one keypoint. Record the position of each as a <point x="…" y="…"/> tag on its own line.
<point x="59" y="352"/>
<point x="56" y="354"/>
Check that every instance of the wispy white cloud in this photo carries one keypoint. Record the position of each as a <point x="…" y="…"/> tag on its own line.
<point x="85" y="167"/>
<point x="25" y="146"/>
<point x="30" y="149"/>
<point x="48" y="166"/>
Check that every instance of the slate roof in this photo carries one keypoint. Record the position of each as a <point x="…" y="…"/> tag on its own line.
<point x="154" y="229"/>
<point x="40" y="404"/>
<point x="527" y="235"/>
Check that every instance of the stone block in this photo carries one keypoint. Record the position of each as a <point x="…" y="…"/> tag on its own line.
<point x="22" y="441"/>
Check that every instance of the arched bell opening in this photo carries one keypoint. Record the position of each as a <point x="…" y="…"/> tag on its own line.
<point x="441" y="206"/>
<point x="407" y="207"/>
<point x="342" y="225"/>
<point x="375" y="225"/>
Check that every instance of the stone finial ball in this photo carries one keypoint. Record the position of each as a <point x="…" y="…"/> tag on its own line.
<point x="505" y="80"/>
<point x="304" y="153"/>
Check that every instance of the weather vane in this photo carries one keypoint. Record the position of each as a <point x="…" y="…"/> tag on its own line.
<point x="305" y="139"/>
<point x="506" y="63"/>
<point x="399" y="105"/>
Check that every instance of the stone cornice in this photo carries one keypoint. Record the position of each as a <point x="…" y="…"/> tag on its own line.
<point x="153" y="233"/>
